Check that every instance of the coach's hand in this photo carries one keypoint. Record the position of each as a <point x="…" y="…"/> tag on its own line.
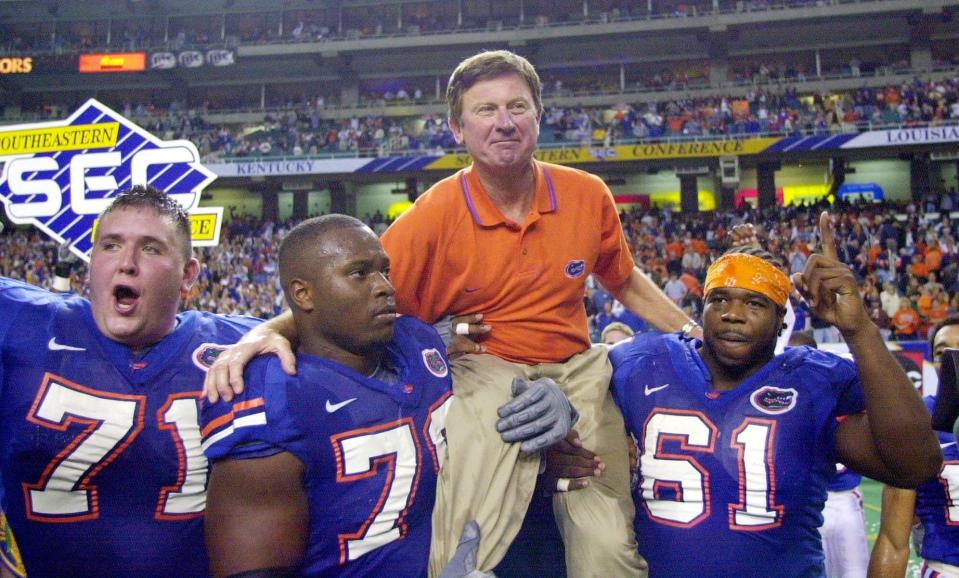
<point x="569" y="465"/>
<point x="539" y="414"/>
<point x="463" y="563"/>
<point x="830" y="287"/>
<point x="225" y="377"/>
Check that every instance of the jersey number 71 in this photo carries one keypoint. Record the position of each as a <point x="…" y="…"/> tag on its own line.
<point x="66" y="491"/>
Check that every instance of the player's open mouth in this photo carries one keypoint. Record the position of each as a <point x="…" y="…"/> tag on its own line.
<point x="126" y="298"/>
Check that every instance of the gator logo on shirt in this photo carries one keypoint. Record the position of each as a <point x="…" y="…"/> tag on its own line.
<point x="9" y="552"/>
<point x="774" y="400"/>
<point x="575" y="268"/>
<point x="434" y="362"/>
<point x="204" y="355"/>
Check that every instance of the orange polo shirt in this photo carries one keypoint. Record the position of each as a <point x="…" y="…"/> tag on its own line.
<point x="455" y="253"/>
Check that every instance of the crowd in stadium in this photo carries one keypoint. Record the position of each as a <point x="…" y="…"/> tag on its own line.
<point x="905" y="257"/>
<point x="301" y="129"/>
<point x="326" y="25"/>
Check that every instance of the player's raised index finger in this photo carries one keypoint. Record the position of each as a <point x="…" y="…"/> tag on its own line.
<point x="828" y="236"/>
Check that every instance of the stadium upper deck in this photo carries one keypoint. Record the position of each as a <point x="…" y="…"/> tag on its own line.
<point x="355" y="54"/>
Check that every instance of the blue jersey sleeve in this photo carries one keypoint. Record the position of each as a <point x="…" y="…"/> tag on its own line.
<point x="16" y="297"/>
<point x="629" y="358"/>
<point x="255" y="423"/>
<point x="850" y="398"/>
<point x="838" y="371"/>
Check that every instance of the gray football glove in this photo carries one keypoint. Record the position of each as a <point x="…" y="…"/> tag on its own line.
<point x="539" y="414"/>
<point x="463" y="563"/>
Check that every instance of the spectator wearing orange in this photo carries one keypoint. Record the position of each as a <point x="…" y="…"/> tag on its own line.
<point x="924" y="303"/>
<point x="939" y="309"/>
<point x="933" y="258"/>
<point x="692" y="284"/>
<point x="699" y="245"/>
<point x="674" y="254"/>
<point x="919" y="267"/>
<point x="906" y="321"/>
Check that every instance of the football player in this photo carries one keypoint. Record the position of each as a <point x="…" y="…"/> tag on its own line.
<point x="843" y="530"/>
<point x="333" y="471"/>
<point x="99" y="440"/>
<point x="737" y="446"/>
<point x="932" y="503"/>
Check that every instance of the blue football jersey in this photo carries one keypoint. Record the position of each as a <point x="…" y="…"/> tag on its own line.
<point x="102" y="469"/>
<point x="937" y="504"/>
<point x="371" y="450"/>
<point x="731" y="483"/>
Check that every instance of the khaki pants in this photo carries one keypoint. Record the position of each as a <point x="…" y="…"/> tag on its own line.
<point x="492" y="482"/>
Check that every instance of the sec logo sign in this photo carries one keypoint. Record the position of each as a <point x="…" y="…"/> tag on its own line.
<point x="59" y="176"/>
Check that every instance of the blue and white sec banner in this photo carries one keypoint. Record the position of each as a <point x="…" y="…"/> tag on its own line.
<point x="58" y="176"/>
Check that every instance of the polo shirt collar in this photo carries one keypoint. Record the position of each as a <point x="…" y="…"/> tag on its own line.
<point x="485" y="213"/>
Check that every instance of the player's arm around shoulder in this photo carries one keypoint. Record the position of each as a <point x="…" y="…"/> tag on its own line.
<point x="890" y="555"/>
<point x="257" y="509"/>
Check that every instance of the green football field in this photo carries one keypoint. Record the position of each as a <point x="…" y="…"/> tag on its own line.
<point x="872" y="502"/>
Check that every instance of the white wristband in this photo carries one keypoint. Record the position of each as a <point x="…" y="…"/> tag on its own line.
<point x="61" y="284"/>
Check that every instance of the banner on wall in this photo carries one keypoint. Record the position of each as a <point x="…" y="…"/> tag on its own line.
<point x="633" y="152"/>
<point x="593" y="155"/>
<point x="58" y="176"/>
<point x="873" y="139"/>
<point x="16" y="65"/>
<point x="112" y="62"/>
<point x="192" y="59"/>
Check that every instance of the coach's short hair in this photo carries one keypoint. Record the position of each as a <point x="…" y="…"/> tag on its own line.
<point x="140" y="196"/>
<point x="487" y="65"/>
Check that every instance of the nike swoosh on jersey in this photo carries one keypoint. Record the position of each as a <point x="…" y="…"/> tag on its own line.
<point x="52" y="345"/>
<point x="471" y="289"/>
<point x="652" y="390"/>
<point x="332" y="407"/>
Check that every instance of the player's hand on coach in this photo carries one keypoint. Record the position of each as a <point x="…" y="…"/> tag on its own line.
<point x="539" y="414"/>
<point x="569" y="465"/>
<point x="830" y="287"/>
<point x="465" y="331"/>
<point x="225" y="377"/>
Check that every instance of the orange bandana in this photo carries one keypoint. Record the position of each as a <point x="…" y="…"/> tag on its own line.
<point x="744" y="271"/>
